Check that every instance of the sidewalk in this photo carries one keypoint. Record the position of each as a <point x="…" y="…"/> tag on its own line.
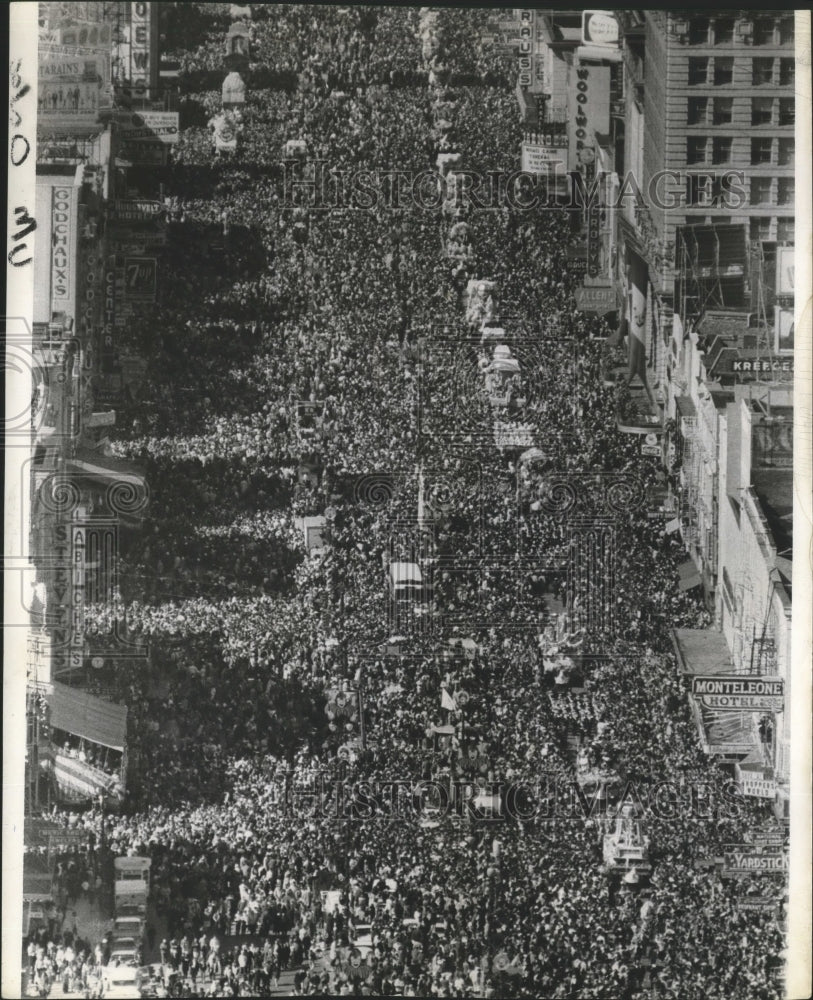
<point x="92" y="921"/>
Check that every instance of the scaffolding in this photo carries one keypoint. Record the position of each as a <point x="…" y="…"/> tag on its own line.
<point x="711" y="267"/>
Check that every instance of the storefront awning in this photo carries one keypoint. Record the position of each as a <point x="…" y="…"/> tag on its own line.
<point x="97" y="465"/>
<point x="724" y="733"/>
<point x="688" y="575"/>
<point x="88" y="717"/>
<point x="701" y="651"/>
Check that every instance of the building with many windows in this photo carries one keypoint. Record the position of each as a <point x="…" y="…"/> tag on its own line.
<point x="714" y="94"/>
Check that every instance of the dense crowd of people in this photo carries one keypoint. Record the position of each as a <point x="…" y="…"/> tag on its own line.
<point x="329" y="363"/>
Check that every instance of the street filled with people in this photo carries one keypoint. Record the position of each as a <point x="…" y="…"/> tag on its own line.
<point x="381" y="794"/>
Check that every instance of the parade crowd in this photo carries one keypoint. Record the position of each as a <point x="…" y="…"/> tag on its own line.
<point x="331" y="363"/>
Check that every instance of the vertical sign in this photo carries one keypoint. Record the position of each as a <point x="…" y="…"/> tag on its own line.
<point x="61" y="267"/>
<point x="527" y="21"/>
<point x="141" y="55"/>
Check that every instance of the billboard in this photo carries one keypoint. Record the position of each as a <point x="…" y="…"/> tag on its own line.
<point x="739" y="693"/>
<point x="597" y="299"/>
<point x="149" y="127"/>
<point x="140" y="278"/>
<point x="785" y="257"/>
<point x="754" y="859"/>
<point x="72" y="90"/>
<point x="600" y="27"/>
<point x="542" y="159"/>
<point x="142" y="210"/>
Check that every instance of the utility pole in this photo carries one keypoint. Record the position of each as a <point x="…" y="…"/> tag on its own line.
<point x="360" y="701"/>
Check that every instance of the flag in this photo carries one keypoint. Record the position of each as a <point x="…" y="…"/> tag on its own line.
<point x="447" y="701"/>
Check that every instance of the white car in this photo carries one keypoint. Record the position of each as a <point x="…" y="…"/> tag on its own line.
<point x="125" y="951"/>
<point x="121" y="982"/>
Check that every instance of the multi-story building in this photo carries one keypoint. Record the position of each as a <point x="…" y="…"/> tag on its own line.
<point x="714" y="92"/>
<point x="730" y="397"/>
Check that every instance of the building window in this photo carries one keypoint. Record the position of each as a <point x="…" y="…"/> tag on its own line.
<point x="723" y="71"/>
<point x="787" y="111"/>
<point x="723" y="110"/>
<point x="786" y="31"/>
<point x="699" y="31"/>
<point x="696" y="149"/>
<point x="760" y="229"/>
<point x="760" y="190"/>
<point x="761" y="72"/>
<point x="787" y="149"/>
<point x="761" y="151"/>
<point x="787" y="72"/>
<point x="724" y="31"/>
<point x="785" y="231"/>
<point x="761" y="110"/>
<point x="698" y="109"/>
<point x="698" y="71"/>
<point x="785" y="191"/>
<point x="719" y="220"/>
<point x="721" y="150"/>
<point x="698" y="191"/>
<point x="704" y="191"/>
<point x="763" y="31"/>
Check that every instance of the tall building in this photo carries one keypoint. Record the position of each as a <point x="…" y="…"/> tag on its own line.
<point x="715" y="103"/>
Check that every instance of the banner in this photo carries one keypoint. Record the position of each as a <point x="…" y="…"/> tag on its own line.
<point x="739" y="693"/>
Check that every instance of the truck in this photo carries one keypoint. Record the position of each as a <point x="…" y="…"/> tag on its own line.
<point x="132" y="884"/>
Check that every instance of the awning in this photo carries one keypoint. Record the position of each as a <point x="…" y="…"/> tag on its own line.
<point x="701" y="651"/>
<point x="688" y="575"/>
<point x="96" y="465"/>
<point x="685" y="406"/>
<point x="37" y="881"/>
<point x="723" y="733"/>
<point x="91" y="718"/>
